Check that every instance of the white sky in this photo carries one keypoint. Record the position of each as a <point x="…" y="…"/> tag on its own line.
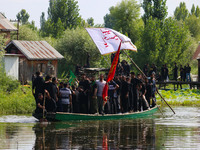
<point x="96" y="9"/>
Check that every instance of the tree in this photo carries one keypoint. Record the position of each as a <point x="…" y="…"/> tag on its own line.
<point x="124" y="18"/>
<point x="193" y="24"/>
<point x="42" y="21"/>
<point x="155" y="9"/>
<point x="23" y="16"/>
<point x="197" y="12"/>
<point x="90" y="21"/>
<point x="193" y="10"/>
<point x="167" y="43"/>
<point x="27" y="33"/>
<point x="74" y="46"/>
<point x="62" y="12"/>
<point x="181" y="12"/>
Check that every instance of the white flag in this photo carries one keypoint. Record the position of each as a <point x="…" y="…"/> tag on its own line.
<point x="107" y="40"/>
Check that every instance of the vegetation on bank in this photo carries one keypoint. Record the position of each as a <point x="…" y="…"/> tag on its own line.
<point x="18" y="101"/>
<point x="181" y="97"/>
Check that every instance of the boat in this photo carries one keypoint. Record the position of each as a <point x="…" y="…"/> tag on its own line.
<point x="62" y="116"/>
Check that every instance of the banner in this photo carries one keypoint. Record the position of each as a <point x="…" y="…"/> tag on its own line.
<point x="111" y="74"/>
<point x="107" y="40"/>
<point x="72" y="78"/>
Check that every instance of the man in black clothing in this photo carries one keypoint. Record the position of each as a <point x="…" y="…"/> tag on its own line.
<point x="93" y="96"/>
<point x="125" y="88"/>
<point x="175" y="72"/>
<point x="163" y="73"/>
<point x="50" y="101"/>
<point x="188" y="69"/>
<point x="181" y="72"/>
<point x="134" y="101"/>
<point x="117" y="93"/>
<point x="84" y="87"/>
<point x="37" y="86"/>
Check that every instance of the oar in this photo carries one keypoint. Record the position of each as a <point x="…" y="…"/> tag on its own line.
<point x="158" y="107"/>
<point x="146" y="77"/>
<point x="43" y="110"/>
<point x="43" y="106"/>
<point x="165" y="101"/>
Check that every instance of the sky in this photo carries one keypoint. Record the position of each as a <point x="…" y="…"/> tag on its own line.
<point x="96" y="9"/>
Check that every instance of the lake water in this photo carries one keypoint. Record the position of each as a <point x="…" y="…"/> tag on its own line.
<point x="179" y="131"/>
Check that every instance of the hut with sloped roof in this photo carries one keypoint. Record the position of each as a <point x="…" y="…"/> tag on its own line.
<point x="6" y="27"/>
<point x="33" y="56"/>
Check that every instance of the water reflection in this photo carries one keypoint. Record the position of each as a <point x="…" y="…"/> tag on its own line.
<point x="131" y="134"/>
<point x="180" y="131"/>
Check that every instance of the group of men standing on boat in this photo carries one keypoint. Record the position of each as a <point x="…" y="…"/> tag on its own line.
<point x="126" y="93"/>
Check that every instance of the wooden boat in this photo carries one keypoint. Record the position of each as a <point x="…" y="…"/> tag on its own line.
<point x="61" y="116"/>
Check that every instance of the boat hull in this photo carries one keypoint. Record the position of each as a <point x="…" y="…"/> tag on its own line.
<point x="60" y="116"/>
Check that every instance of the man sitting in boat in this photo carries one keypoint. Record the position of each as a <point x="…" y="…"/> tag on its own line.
<point x="40" y="103"/>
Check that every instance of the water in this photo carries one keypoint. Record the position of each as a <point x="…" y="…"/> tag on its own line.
<point x="179" y="131"/>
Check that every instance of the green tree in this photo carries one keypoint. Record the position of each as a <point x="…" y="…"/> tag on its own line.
<point x="42" y="21"/>
<point x="124" y="18"/>
<point x="197" y="12"/>
<point x="90" y="21"/>
<point x="155" y="9"/>
<point x="23" y="16"/>
<point x="193" y="24"/>
<point x="62" y="12"/>
<point x="181" y="12"/>
<point x="74" y="46"/>
<point x="167" y="43"/>
<point x="193" y="10"/>
<point x="27" y="33"/>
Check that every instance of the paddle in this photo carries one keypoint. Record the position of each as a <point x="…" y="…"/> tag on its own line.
<point x="146" y="77"/>
<point x="43" y="119"/>
<point x="165" y="101"/>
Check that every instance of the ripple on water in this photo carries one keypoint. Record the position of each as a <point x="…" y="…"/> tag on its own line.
<point x="185" y="116"/>
<point x="17" y="119"/>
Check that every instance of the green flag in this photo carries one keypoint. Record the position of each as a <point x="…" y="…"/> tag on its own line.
<point x="72" y="78"/>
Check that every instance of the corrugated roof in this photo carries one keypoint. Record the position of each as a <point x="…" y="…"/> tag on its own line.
<point x="197" y="53"/>
<point x="5" y="24"/>
<point x="36" y="50"/>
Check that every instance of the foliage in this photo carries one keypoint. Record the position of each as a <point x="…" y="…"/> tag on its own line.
<point x="184" y="97"/>
<point x="193" y="24"/>
<point x="17" y="102"/>
<point x="181" y="12"/>
<point x="23" y="16"/>
<point x="62" y="14"/>
<point x="27" y="33"/>
<point x="90" y="21"/>
<point x="155" y="9"/>
<point x="124" y="18"/>
<point x="164" y="42"/>
<point x="75" y="45"/>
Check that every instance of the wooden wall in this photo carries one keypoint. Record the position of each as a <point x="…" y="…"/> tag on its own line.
<point x="27" y="68"/>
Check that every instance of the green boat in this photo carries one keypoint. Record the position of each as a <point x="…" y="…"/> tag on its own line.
<point x="61" y="116"/>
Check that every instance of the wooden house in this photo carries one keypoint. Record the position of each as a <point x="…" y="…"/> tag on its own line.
<point x="33" y="56"/>
<point x="6" y="27"/>
<point x="197" y="56"/>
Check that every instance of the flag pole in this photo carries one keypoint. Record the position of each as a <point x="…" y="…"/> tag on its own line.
<point x="146" y="77"/>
